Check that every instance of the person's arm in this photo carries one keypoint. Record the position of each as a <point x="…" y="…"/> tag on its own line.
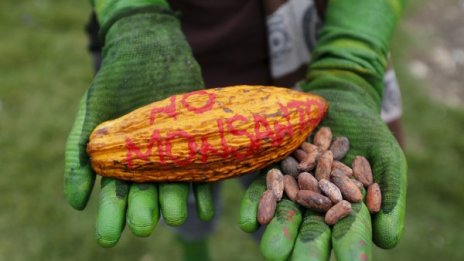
<point x="347" y="69"/>
<point x="145" y="58"/>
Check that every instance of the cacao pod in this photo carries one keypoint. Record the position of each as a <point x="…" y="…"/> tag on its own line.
<point x="205" y="135"/>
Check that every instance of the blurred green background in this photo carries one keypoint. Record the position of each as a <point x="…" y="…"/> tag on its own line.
<point x="44" y="69"/>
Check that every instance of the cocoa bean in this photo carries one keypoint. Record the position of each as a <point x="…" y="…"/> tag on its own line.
<point x="299" y="155"/>
<point x="362" y="170"/>
<point x="314" y="201"/>
<point x="275" y="183"/>
<point x="308" y="147"/>
<point x="290" y="187"/>
<point x="374" y="198"/>
<point x="344" y="168"/>
<point x="337" y="212"/>
<point x="330" y="190"/>
<point x="324" y="165"/>
<point x="306" y="181"/>
<point x="267" y="207"/>
<point x="348" y="189"/>
<point x="312" y="155"/>
<point x="340" y="147"/>
<point x="358" y="184"/>
<point x="289" y="166"/>
<point x="323" y="138"/>
<point x="334" y="184"/>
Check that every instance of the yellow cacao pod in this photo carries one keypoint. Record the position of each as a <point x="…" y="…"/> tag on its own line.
<point x="205" y="135"/>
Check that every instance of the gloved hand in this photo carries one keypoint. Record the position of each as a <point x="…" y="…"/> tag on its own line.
<point x="145" y="59"/>
<point x="347" y="70"/>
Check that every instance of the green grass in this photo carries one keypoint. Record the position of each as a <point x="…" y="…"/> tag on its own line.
<point x="44" y="69"/>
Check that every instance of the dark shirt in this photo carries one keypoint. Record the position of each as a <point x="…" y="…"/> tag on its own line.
<point x="228" y="39"/>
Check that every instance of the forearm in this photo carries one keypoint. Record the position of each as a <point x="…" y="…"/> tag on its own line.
<point x="353" y="46"/>
<point x="106" y="9"/>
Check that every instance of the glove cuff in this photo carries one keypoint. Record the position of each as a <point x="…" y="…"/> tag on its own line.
<point x="129" y="11"/>
<point x="107" y="9"/>
<point x="352" y="49"/>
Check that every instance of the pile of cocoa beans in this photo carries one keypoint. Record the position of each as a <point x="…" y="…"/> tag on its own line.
<point x="315" y="178"/>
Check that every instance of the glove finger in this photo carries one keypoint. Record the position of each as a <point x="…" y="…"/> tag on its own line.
<point x="173" y="202"/>
<point x="352" y="236"/>
<point x="204" y="200"/>
<point x="389" y="169"/>
<point x="143" y="209"/>
<point x="280" y="235"/>
<point x="111" y="211"/>
<point x="78" y="175"/>
<point x="248" y="221"/>
<point x="313" y="241"/>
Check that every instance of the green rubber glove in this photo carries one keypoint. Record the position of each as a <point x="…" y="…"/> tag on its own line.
<point x="347" y="70"/>
<point x="145" y="59"/>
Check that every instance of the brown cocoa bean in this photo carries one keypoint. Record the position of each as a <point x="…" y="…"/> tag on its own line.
<point x="289" y="166"/>
<point x="374" y="198"/>
<point x="306" y="181"/>
<point x="340" y="147"/>
<point x="299" y="155"/>
<point x="314" y="201"/>
<point x="330" y="190"/>
<point x="290" y="187"/>
<point x="312" y="155"/>
<point x="344" y="168"/>
<point x="324" y="165"/>
<point x="275" y="182"/>
<point x="358" y="184"/>
<point x="362" y="170"/>
<point x="348" y="189"/>
<point x="337" y="212"/>
<point x="267" y="207"/>
<point x="308" y="147"/>
<point x="323" y="138"/>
